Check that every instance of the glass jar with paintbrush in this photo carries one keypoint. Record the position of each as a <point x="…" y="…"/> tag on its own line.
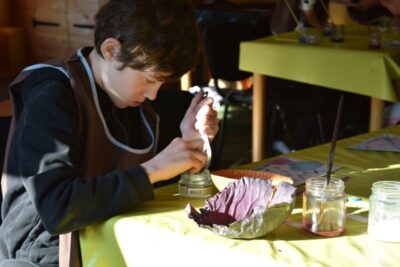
<point x="198" y="185"/>
<point x="324" y="206"/>
<point x="324" y="200"/>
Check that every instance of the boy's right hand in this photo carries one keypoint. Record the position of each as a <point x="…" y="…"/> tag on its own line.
<point x="179" y="156"/>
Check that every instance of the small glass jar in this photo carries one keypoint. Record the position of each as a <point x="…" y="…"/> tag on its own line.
<point x="197" y="185"/>
<point x="337" y="34"/>
<point x="374" y="40"/>
<point x="327" y="28"/>
<point x="384" y="211"/>
<point x="324" y="206"/>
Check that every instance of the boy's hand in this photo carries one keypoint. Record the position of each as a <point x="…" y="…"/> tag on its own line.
<point x="179" y="156"/>
<point x="200" y="118"/>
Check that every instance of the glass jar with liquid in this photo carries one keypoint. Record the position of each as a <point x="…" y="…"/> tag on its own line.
<point x="324" y="206"/>
<point x="337" y="33"/>
<point x="384" y="211"/>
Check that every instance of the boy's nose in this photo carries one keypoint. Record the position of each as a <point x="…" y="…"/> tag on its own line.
<point x="151" y="93"/>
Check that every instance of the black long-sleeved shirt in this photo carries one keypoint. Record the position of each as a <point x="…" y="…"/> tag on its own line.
<point x="46" y="196"/>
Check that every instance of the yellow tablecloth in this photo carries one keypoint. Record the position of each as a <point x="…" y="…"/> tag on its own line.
<point x="160" y="234"/>
<point x="349" y="66"/>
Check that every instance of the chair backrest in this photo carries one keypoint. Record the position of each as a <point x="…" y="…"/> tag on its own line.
<point x="222" y="44"/>
<point x="282" y="19"/>
<point x="4" y="127"/>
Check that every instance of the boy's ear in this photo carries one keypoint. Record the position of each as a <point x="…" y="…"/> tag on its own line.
<point x="110" y="48"/>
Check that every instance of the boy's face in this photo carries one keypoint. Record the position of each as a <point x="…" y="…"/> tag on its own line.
<point x="128" y="87"/>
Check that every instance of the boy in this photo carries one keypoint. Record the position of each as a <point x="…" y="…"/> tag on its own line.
<point x="83" y="138"/>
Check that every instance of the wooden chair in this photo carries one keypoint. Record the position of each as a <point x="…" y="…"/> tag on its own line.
<point x="221" y="46"/>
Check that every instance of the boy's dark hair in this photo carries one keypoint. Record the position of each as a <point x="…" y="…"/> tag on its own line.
<point x="157" y="36"/>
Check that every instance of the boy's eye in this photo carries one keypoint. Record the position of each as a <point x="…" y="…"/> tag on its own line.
<point x="150" y="81"/>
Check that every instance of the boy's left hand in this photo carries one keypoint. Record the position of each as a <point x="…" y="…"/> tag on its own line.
<point x="200" y="117"/>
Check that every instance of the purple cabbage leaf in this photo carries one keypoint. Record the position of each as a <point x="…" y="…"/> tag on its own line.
<point x="247" y="208"/>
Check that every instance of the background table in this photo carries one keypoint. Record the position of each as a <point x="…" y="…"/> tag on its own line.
<point x="349" y="66"/>
<point x="160" y="234"/>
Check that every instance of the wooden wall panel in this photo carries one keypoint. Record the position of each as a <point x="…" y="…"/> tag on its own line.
<point x="55" y="28"/>
<point x="51" y="10"/>
<point x="12" y="51"/>
<point x="81" y="22"/>
<point x="3" y="47"/>
<point x="4" y="13"/>
<point x="49" y="30"/>
<point x="21" y="14"/>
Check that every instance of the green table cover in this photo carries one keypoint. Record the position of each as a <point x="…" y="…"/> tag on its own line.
<point x="159" y="233"/>
<point x="350" y="66"/>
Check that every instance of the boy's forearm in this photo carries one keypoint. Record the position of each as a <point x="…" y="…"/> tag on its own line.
<point x="71" y="203"/>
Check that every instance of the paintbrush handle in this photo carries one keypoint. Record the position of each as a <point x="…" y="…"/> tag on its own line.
<point x="334" y="139"/>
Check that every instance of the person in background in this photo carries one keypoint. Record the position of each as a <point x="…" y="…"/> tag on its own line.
<point x="366" y="4"/>
<point x="367" y="12"/>
<point x="314" y="18"/>
<point x="392" y="112"/>
<point x="83" y="139"/>
<point x="392" y="5"/>
<point x="290" y="15"/>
